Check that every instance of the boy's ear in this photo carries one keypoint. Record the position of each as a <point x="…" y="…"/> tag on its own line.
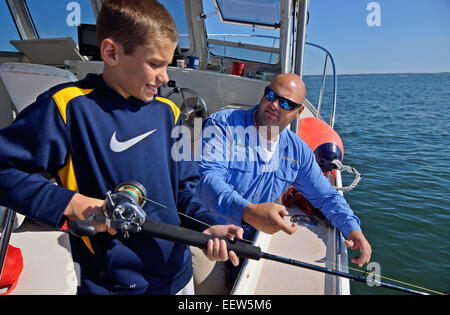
<point x="109" y="50"/>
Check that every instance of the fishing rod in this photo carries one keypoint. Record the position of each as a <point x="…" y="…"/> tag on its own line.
<point x="123" y="212"/>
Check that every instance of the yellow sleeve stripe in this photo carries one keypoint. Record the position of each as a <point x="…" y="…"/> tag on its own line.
<point x="67" y="176"/>
<point x="175" y="109"/>
<point x="63" y="97"/>
<point x="87" y="242"/>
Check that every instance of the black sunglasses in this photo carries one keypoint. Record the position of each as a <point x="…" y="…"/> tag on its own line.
<point x="285" y="103"/>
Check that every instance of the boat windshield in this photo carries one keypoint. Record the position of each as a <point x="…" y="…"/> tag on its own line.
<point x="245" y="30"/>
<point x="252" y="12"/>
<point x="56" y="19"/>
<point x="177" y="10"/>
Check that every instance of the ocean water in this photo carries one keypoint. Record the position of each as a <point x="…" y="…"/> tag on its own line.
<point x="396" y="132"/>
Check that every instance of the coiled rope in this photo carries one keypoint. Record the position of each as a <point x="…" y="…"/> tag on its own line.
<point x="341" y="167"/>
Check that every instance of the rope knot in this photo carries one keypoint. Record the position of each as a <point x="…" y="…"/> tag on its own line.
<point x="348" y="169"/>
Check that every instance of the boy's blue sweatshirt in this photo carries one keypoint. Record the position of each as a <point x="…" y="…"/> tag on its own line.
<point x="78" y="132"/>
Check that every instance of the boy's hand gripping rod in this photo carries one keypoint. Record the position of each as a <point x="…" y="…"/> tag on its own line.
<point x="123" y="213"/>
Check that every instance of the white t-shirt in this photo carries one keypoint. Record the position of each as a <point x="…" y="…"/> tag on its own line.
<point x="269" y="147"/>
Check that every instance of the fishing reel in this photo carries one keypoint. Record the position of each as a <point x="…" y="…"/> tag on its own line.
<point x="122" y="211"/>
<point x="123" y="207"/>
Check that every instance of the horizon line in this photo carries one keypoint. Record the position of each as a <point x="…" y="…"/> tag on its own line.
<point x="377" y="73"/>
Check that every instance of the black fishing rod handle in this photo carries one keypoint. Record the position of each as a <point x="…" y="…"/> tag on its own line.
<point x="197" y="239"/>
<point x="81" y="228"/>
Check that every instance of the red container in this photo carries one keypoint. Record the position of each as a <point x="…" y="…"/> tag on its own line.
<point x="238" y="68"/>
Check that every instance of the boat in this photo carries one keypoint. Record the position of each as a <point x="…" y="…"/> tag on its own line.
<point x="271" y="40"/>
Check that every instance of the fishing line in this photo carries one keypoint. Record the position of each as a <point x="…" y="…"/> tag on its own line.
<point x="156" y="203"/>
<point x="383" y="277"/>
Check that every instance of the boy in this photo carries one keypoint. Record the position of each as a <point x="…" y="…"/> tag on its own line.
<point x="93" y="135"/>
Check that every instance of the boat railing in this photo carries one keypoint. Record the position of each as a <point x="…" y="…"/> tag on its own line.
<point x="322" y="87"/>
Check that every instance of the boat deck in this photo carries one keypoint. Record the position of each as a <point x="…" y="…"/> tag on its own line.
<point x="310" y="244"/>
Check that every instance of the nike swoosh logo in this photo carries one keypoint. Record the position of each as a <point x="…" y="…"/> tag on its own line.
<point x="118" y="147"/>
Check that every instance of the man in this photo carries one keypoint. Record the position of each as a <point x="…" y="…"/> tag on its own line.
<point x="249" y="158"/>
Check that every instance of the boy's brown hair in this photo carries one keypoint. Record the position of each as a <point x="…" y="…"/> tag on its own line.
<point x="134" y="23"/>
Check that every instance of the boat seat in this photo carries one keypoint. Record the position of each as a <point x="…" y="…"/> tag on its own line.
<point x="25" y="82"/>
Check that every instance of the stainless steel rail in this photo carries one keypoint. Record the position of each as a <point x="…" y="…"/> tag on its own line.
<point x="333" y="108"/>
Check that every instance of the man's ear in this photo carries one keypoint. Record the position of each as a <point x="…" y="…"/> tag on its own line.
<point x="109" y="50"/>
<point x="300" y="111"/>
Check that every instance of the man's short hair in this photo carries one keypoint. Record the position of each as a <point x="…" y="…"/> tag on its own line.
<point x="134" y="23"/>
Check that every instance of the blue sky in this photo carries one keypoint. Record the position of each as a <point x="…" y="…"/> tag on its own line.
<point x="414" y="35"/>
